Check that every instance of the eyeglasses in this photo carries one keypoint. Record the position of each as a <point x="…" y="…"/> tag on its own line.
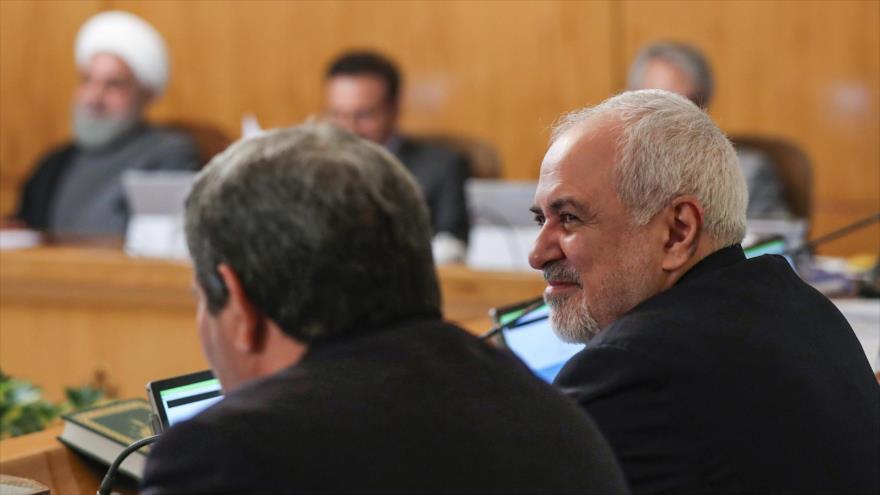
<point x="356" y="117"/>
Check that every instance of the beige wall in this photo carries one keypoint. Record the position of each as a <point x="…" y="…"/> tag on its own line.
<point x="503" y="71"/>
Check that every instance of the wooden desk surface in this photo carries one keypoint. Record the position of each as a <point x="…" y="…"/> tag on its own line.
<point x="41" y="457"/>
<point x="76" y="315"/>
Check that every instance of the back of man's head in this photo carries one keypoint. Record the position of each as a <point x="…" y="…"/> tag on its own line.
<point x="328" y="233"/>
<point x="668" y="147"/>
<point x="683" y="58"/>
<point x="368" y="63"/>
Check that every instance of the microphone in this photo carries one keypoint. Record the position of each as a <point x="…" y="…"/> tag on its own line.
<point x="512" y="323"/>
<point x="107" y="483"/>
<point x="809" y="247"/>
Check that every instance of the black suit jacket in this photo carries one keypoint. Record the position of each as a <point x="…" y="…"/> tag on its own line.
<point x="441" y="173"/>
<point x="739" y="379"/>
<point x="420" y="408"/>
<point x="169" y="149"/>
<point x="36" y="197"/>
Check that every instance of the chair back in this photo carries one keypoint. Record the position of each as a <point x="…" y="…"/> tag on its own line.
<point x="208" y="138"/>
<point x="792" y="167"/>
<point x="481" y="155"/>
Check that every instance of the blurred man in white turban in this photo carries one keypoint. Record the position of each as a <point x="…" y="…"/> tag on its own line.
<point x="123" y="66"/>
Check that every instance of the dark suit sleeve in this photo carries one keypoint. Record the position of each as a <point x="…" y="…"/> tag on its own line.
<point x="450" y="205"/>
<point x="39" y="190"/>
<point x="195" y="458"/>
<point x="627" y="396"/>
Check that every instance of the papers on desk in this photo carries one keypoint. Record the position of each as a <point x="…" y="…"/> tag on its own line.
<point x="156" y="236"/>
<point x="863" y="316"/>
<point x="19" y="239"/>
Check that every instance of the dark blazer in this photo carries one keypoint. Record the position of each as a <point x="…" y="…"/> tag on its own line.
<point x="739" y="379"/>
<point x="151" y="148"/>
<point x="419" y="408"/>
<point x="441" y="173"/>
<point x="35" y="204"/>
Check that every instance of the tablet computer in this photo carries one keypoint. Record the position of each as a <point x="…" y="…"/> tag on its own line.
<point x="528" y="334"/>
<point x="177" y="399"/>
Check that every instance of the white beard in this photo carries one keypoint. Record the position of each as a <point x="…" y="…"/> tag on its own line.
<point x="574" y="321"/>
<point x="91" y="131"/>
<point x="570" y="316"/>
<point x="571" y="319"/>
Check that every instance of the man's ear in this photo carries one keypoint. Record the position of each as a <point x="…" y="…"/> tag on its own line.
<point x="247" y="322"/>
<point x="684" y="225"/>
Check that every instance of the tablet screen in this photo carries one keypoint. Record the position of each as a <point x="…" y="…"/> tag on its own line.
<point x="532" y="339"/>
<point x="180" y="398"/>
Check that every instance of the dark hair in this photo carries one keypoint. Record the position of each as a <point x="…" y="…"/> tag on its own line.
<point x="328" y="233"/>
<point x="366" y="63"/>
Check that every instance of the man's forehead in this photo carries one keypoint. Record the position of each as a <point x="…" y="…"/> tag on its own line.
<point x="585" y="151"/>
<point x="109" y="65"/>
<point x="363" y="85"/>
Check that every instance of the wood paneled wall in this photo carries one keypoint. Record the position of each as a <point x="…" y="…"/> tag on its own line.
<point x="502" y="71"/>
<point x="805" y="71"/>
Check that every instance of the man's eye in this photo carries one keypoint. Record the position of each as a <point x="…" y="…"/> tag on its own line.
<point x="567" y="218"/>
<point x="539" y="219"/>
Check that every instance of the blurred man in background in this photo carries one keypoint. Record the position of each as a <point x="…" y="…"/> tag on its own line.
<point x="319" y="311"/>
<point x="706" y="372"/>
<point x="77" y="189"/>
<point x="682" y="69"/>
<point x="362" y="94"/>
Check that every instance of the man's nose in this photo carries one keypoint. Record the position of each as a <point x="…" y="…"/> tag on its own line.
<point x="91" y="95"/>
<point x="546" y="248"/>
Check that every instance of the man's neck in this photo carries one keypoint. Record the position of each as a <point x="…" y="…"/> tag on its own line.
<point x="704" y="248"/>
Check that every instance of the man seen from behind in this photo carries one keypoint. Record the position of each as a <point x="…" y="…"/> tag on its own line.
<point x="319" y="311"/>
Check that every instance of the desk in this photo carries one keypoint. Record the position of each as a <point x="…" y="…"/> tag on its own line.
<point x="73" y="315"/>
<point x="41" y="457"/>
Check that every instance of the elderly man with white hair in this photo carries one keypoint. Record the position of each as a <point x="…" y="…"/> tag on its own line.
<point x="683" y="69"/>
<point x="76" y="188"/>
<point x="706" y="372"/>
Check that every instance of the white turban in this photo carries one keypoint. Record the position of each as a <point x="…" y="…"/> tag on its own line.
<point x="130" y="38"/>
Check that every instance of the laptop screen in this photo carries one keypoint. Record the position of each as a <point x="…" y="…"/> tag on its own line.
<point x="180" y="398"/>
<point x="533" y="340"/>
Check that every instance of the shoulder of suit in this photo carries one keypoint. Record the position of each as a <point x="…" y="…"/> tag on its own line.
<point x="168" y="137"/>
<point x="699" y="308"/>
<point x="421" y="148"/>
<point x="58" y="151"/>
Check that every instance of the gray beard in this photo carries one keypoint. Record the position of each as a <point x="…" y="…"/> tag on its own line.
<point x="571" y="320"/>
<point x="91" y="131"/>
<point x="570" y="317"/>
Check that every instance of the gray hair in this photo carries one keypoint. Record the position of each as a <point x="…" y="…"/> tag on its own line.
<point x="329" y="234"/>
<point x="685" y="58"/>
<point x="667" y="147"/>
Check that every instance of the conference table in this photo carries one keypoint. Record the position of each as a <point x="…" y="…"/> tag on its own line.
<point x="88" y="313"/>
<point x="77" y="314"/>
<point x="72" y="315"/>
